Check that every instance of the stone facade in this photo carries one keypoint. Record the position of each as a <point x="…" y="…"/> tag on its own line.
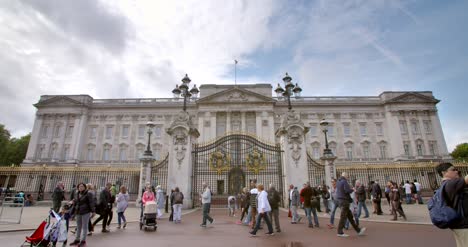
<point x="394" y="126"/>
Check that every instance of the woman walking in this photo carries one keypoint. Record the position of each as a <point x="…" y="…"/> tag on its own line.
<point x="122" y="204"/>
<point x="84" y="208"/>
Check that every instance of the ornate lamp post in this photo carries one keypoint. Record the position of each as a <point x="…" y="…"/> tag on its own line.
<point x="146" y="160"/>
<point x="324" y="126"/>
<point x="328" y="158"/>
<point x="290" y="90"/>
<point x="183" y="90"/>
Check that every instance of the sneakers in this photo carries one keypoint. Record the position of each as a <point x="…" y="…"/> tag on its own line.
<point x="125" y="225"/>
<point x="270" y="233"/>
<point x="118" y="227"/>
<point x="330" y="226"/>
<point x="311" y="226"/>
<point x="105" y="230"/>
<point x="203" y="225"/>
<point x="212" y="221"/>
<point x="253" y="234"/>
<point x="362" y="231"/>
<point x="279" y="230"/>
<point x="343" y="235"/>
<point x="90" y="233"/>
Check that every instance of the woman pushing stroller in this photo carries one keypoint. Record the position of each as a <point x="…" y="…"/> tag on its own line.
<point x="84" y="209"/>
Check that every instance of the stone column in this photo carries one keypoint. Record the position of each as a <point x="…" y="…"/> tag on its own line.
<point x="328" y="160"/>
<point x="79" y="135"/>
<point x="243" y="128"/>
<point x="145" y="172"/>
<point x="36" y="132"/>
<point x="292" y="137"/>
<point x="183" y="135"/>
<point x="228" y="122"/>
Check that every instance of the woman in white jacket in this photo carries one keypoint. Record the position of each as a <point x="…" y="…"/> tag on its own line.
<point x="122" y="204"/>
<point x="263" y="207"/>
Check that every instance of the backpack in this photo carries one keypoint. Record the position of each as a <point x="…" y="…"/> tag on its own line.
<point x="441" y="214"/>
<point x="178" y="197"/>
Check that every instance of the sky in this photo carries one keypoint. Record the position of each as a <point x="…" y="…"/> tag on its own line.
<point x="141" y="49"/>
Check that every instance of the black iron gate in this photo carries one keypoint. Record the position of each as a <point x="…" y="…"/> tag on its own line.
<point x="159" y="173"/>
<point x="228" y="165"/>
<point x="316" y="171"/>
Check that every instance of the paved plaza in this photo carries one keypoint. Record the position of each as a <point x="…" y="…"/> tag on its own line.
<point x="417" y="231"/>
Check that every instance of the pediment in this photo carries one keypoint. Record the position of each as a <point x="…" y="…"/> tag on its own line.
<point x="413" y="98"/>
<point x="235" y="95"/>
<point x="58" y="101"/>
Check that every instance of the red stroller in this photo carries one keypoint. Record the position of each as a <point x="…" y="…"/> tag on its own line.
<point x="37" y="237"/>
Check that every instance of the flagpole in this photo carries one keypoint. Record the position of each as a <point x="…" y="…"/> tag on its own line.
<point x="235" y="72"/>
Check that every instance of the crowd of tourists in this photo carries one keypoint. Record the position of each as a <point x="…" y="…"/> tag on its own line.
<point x="258" y="205"/>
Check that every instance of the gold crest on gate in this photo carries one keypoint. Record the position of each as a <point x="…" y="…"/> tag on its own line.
<point x="256" y="161"/>
<point x="219" y="162"/>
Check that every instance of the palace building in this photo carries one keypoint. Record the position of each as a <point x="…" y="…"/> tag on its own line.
<point x="230" y="134"/>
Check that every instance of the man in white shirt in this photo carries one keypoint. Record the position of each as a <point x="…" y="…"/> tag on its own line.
<point x="418" y="191"/>
<point x="407" y="187"/>
<point x="263" y="207"/>
<point x="206" y="202"/>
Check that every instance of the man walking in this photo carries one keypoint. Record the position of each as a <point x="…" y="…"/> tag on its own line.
<point x="253" y="201"/>
<point x="58" y="196"/>
<point x="407" y="187"/>
<point x="376" y="193"/>
<point x="295" y="203"/>
<point x="206" y="202"/>
<point x="263" y="207"/>
<point x="105" y="205"/>
<point x="274" y="200"/>
<point x="418" y="192"/>
<point x="343" y="191"/>
<point x="309" y="194"/>
<point x="361" y="198"/>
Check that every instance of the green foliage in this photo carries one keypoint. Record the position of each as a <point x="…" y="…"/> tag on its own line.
<point x="460" y="152"/>
<point x="12" y="150"/>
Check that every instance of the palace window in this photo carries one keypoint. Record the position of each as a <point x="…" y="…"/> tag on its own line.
<point x="157" y="131"/>
<point x="92" y="132"/>
<point x="70" y="131"/>
<point x="66" y="151"/>
<point x="57" y="131"/>
<point x="427" y="126"/>
<point x="125" y="131"/>
<point x="346" y="129"/>
<point x="349" y="152"/>
<point x="90" y="154"/>
<point x="383" y="151"/>
<point x="330" y="130"/>
<point x="123" y="152"/>
<point x="379" y="129"/>
<point x="53" y="151"/>
<point x="106" y="152"/>
<point x="39" y="151"/>
<point x="366" y="151"/>
<point x="45" y="129"/>
<point x="363" y="129"/>
<point x="433" y="147"/>
<point x="403" y="127"/>
<point x="406" y="147"/>
<point x="313" y="130"/>
<point x="109" y="132"/>
<point x="141" y="131"/>
<point x="316" y="152"/>
<point x="419" y="148"/>
<point x="415" y="127"/>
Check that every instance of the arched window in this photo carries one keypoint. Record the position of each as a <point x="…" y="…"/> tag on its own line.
<point x="90" y="153"/>
<point x="106" y="152"/>
<point x="349" y="150"/>
<point x="123" y="150"/>
<point x="366" y="150"/>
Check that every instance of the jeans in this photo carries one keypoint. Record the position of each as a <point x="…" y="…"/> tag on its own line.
<point x="206" y="211"/>
<point x="295" y="216"/>
<point x="408" y="198"/>
<point x="177" y="212"/>
<point x="309" y="217"/>
<point x="120" y="217"/>
<point x="346" y="215"/>
<point x="360" y="206"/>
<point x="356" y="219"/>
<point x="249" y="216"/>
<point x="267" y="221"/>
<point x="274" y="216"/>
<point x="418" y="195"/>
<point x="333" y="211"/>
<point x="82" y="226"/>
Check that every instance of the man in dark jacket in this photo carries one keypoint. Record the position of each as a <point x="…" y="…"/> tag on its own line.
<point x="343" y="191"/>
<point x="274" y="199"/>
<point x="105" y="206"/>
<point x="310" y="194"/>
<point x="376" y="193"/>
<point x="58" y="196"/>
<point x="361" y="198"/>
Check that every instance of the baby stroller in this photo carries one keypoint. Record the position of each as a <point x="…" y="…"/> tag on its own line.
<point x="48" y="233"/>
<point x="149" y="216"/>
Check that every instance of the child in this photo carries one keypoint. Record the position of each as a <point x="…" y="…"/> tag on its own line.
<point x="65" y="215"/>
<point x="122" y="204"/>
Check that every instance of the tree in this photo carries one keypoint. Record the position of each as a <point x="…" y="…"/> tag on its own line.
<point x="460" y="152"/>
<point x="12" y="150"/>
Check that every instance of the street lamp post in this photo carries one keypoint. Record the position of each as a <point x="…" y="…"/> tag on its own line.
<point x="150" y="126"/>
<point x="324" y="126"/>
<point x="289" y="90"/>
<point x="183" y="90"/>
<point x="146" y="160"/>
<point x="328" y="157"/>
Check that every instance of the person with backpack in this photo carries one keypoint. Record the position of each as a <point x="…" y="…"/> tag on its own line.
<point x="274" y="199"/>
<point x="326" y="197"/>
<point x="361" y="199"/>
<point x="310" y="204"/>
<point x="177" y="199"/>
<point x="448" y="207"/>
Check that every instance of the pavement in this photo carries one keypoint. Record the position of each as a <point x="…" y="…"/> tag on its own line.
<point x="33" y="216"/>
<point x="225" y="232"/>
